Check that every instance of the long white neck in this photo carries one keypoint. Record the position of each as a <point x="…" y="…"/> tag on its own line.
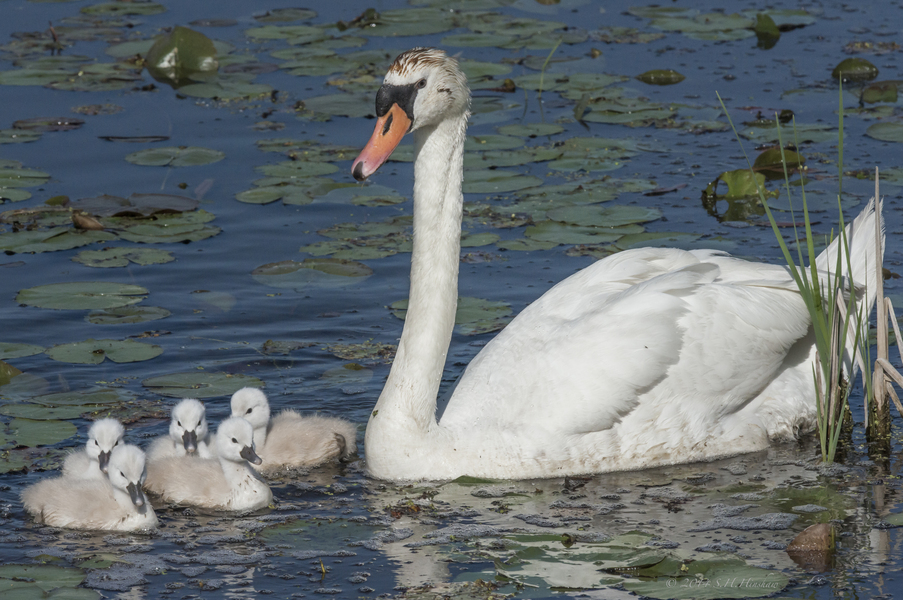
<point x="405" y="414"/>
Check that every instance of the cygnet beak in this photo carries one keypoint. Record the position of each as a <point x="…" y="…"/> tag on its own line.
<point x="136" y="494"/>
<point x="190" y="441"/>
<point x="249" y="455"/>
<point x="104" y="460"/>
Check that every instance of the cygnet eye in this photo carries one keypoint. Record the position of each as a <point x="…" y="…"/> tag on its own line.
<point x="95" y="443"/>
<point x="247" y="412"/>
<point x="116" y="444"/>
<point x="421" y="84"/>
<point x="123" y="474"/>
<point x="234" y="441"/>
<point x="179" y="423"/>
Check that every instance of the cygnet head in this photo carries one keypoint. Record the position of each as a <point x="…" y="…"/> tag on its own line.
<point x="235" y="441"/>
<point x="188" y="424"/>
<point x="251" y="404"/>
<point x="127" y="472"/>
<point x="103" y="436"/>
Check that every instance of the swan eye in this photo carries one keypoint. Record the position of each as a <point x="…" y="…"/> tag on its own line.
<point x="179" y="423"/>
<point x="116" y="444"/>
<point x="234" y="441"/>
<point x="123" y="474"/>
<point x="421" y="84"/>
<point x="95" y="443"/>
<point x="249" y="411"/>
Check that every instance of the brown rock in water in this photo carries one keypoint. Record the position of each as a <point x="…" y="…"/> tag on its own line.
<point x="813" y="548"/>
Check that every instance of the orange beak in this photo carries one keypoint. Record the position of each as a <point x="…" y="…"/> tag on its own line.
<point x="387" y="134"/>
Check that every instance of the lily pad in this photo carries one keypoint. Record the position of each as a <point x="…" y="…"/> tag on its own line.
<point x="182" y="55"/>
<point x="122" y="256"/>
<point x="7" y="372"/>
<point x="82" y="295"/>
<point x="47" y="577"/>
<point x="603" y="216"/>
<point x="320" y="272"/>
<point x="12" y="350"/>
<point x="886" y="132"/>
<point x="741" y="183"/>
<point x="661" y="77"/>
<point x="127" y="314"/>
<point x="120" y="9"/>
<point x="855" y="69"/>
<point x="563" y="233"/>
<point x="182" y="156"/>
<point x="497" y="181"/>
<point x="50" y="240"/>
<point x="709" y="578"/>
<point x="18" y="177"/>
<point x="94" y="352"/>
<point x="136" y="205"/>
<point x="200" y="384"/>
<point x="348" y="374"/>
<point x="40" y="412"/>
<point x="31" y="433"/>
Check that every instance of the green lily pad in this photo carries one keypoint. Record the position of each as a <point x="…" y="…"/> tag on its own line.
<point x="12" y="350"/>
<point x="881" y="91"/>
<point x="657" y="239"/>
<point x="15" y="136"/>
<point x="741" y="183"/>
<point x="127" y="314"/>
<point x="475" y="240"/>
<point x="182" y="156"/>
<point x="280" y="15"/>
<point x="136" y="205"/>
<point x="82" y="295"/>
<point x="661" y="77"/>
<point x="94" y="352"/>
<point x="497" y="181"/>
<point x="348" y="374"/>
<point x="233" y="88"/>
<point x="199" y="384"/>
<point x="13" y="195"/>
<point x="803" y="133"/>
<point x="321" y="272"/>
<point x="368" y="350"/>
<point x="531" y="129"/>
<point x="341" y="105"/>
<point x="46" y="577"/>
<point x="181" y="55"/>
<point x="290" y="194"/>
<point x="709" y="26"/>
<point x="121" y="9"/>
<point x="603" y="216"/>
<point x="30" y="433"/>
<point x="20" y="177"/>
<point x="886" y="132"/>
<point x="121" y="257"/>
<point x="40" y="412"/>
<point x="103" y="396"/>
<point x="562" y="233"/>
<point x="7" y="372"/>
<point x="50" y="240"/>
<point x="291" y="170"/>
<point x="710" y="578"/>
<point x="774" y="159"/>
<point x="492" y="142"/>
<point x="855" y="69"/>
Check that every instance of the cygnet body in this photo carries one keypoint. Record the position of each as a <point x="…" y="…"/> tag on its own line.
<point x="223" y="483"/>
<point x="289" y="439"/>
<point x="188" y="434"/>
<point x="91" y="462"/>
<point x="114" y="502"/>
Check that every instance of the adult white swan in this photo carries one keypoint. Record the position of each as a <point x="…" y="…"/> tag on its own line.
<point x="649" y="357"/>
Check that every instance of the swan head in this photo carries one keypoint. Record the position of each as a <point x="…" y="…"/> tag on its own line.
<point x="235" y="441"/>
<point x="422" y="88"/>
<point x="103" y="436"/>
<point x="127" y="472"/>
<point x="251" y="404"/>
<point x="188" y="424"/>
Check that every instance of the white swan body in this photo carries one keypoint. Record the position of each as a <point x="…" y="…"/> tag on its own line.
<point x="91" y="462"/>
<point x="223" y="483"/>
<point x="188" y="434"/>
<point x="290" y="439"/>
<point x="115" y="502"/>
<point x="648" y="357"/>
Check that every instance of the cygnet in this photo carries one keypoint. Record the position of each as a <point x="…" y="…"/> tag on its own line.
<point x="223" y="483"/>
<point x="91" y="462"/>
<point x="115" y="502"/>
<point x="289" y="439"/>
<point x="188" y="434"/>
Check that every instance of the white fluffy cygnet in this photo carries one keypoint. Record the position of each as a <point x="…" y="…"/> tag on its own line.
<point x="289" y="439"/>
<point x="188" y="434"/>
<point x="223" y="483"/>
<point x="91" y="462"/>
<point x="115" y="502"/>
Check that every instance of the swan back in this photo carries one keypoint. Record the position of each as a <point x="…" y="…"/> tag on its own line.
<point x="91" y="462"/>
